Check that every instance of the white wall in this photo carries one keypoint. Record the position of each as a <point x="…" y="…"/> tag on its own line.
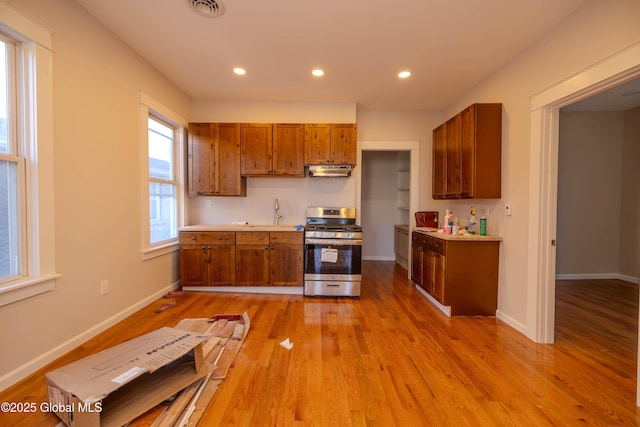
<point x="630" y="206"/>
<point x="96" y="84"/>
<point x="589" y="192"/>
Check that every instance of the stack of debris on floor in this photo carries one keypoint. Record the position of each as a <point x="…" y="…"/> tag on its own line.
<point x="164" y="378"/>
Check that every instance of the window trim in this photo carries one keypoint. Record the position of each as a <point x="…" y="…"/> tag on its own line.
<point x="151" y="107"/>
<point x="36" y="133"/>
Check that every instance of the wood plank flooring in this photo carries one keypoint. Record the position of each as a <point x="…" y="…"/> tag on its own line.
<point x="391" y="359"/>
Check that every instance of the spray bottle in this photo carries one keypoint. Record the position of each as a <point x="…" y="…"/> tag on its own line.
<point x="471" y="226"/>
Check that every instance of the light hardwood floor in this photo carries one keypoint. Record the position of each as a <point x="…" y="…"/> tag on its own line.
<point x="391" y="359"/>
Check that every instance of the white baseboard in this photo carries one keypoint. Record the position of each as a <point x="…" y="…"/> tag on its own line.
<point x="597" y="276"/>
<point x="33" y="365"/>
<point x="518" y="326"/>
<point x="446" y="309"/>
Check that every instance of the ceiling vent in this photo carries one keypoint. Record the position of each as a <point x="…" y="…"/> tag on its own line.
<point x="208" y="8"/>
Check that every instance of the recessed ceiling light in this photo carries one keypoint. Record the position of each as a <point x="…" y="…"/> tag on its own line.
<point x="240" y="71"/>
<point x="318" y="72"/>
<point x="404" y="74"/>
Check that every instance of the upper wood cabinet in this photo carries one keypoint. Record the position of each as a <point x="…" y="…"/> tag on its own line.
<point x="214" y="160"/>
<point x="330" y="144"/>
<point x="439" y="162"/>
<point x="272" y="149"/>
<point x="481" y="156"/>
<point x="467" y="153"/>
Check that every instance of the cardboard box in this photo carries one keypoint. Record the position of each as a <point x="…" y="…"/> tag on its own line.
<point x="115" y="386"/>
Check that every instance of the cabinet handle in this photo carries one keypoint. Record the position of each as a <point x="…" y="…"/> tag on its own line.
<point x="193" y="237"/>
<point x="219" y="238"/>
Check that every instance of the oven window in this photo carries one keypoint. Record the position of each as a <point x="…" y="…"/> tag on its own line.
<point x="333" y="259"/>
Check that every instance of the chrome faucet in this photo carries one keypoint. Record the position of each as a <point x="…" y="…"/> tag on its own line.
<point x="276" y="215"/>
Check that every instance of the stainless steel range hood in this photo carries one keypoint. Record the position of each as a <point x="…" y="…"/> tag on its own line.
<point x="330" y="171"/>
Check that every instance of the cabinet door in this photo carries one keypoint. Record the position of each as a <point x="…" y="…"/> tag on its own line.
<point x="252" y="265"/>
<point x="439" y="162"/>
<point x="228" y="179"/>
<point x="200" y="160"/>
<point x="467" y="152"/>
<point x="317" y="144"/>
<point x="437" y="262"/>
<point x="288" y="149"/>
<point x="417" y="259"/>
<point x="222" y="265"/>
<point x="343" y="144"/>
<point x="286" y="266"/>
<point x="193" y="265"/>
<point x="256" y="149"/>
<point x="452" y="173"/>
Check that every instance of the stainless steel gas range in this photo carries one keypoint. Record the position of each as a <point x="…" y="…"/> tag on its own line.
<point x="333" y="252"/>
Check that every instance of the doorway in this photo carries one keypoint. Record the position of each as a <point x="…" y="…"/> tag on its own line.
<point x="615" y="70"/>
<point x="409" y="199"/>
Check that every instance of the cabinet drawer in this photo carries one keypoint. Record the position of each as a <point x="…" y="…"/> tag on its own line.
<point x="437" y="245"/>
<point x="208" y="237"/>
<point x="252" y="237"/>
<point x="286" y="237"/>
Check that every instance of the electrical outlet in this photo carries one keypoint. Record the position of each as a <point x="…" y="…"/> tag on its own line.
<point x="104" y="287"/>
<point x="208" y="203"/>
<point x="507" y="210"/>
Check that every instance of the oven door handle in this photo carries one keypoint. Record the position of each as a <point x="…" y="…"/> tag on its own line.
<point x="334" y="242"/>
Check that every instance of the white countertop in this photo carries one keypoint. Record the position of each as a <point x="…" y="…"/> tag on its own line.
<point x="467" y="237"/>
<point x="232" y="227"/>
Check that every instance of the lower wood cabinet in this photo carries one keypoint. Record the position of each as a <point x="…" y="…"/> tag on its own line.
<point x="401" y="244"/>
<point x="207" y="259"/>
<point x="461" y="274"/>
<point x="252" y="258"/>
<point x="243" y="258"/>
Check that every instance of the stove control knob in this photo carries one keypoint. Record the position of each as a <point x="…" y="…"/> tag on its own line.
<point x="349" y="235"/>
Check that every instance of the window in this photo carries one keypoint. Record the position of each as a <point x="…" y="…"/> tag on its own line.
<point x="27" y="246"/>
<point x="11" y="168"/>
<point x="163" y="186"/>
<point x="163" y="142"/>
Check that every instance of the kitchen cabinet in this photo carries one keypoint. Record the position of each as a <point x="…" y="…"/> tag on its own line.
<point x="207" y="258"/>
<point x="459" y="273"/>
<point x="241" y="258"/>
<point x="288" y="149"/>
<point x="214" y="160"/>
<point x="252" y="258"/>
<point x="272" y="149"/>
<point x="452" y="158"/>
<point x="330" y="144"/>
<point x="481" y="151"/>
<point x="286" y="261"/>
<point x="257" y="149"/>
<point x="401" y="244"/>
<point x="467" y="154"/>
<point x="439" y="165"/>
<point x="269" y="258"/>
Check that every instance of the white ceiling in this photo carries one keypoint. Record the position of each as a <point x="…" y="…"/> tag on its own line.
<point x="448" y="45"/>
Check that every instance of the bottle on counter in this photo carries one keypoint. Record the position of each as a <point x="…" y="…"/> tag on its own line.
<point x="483" y="226"/>
<point x="455" y="227"/>
<point x="471" y="226"/>
<point x="447" y="221"/>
